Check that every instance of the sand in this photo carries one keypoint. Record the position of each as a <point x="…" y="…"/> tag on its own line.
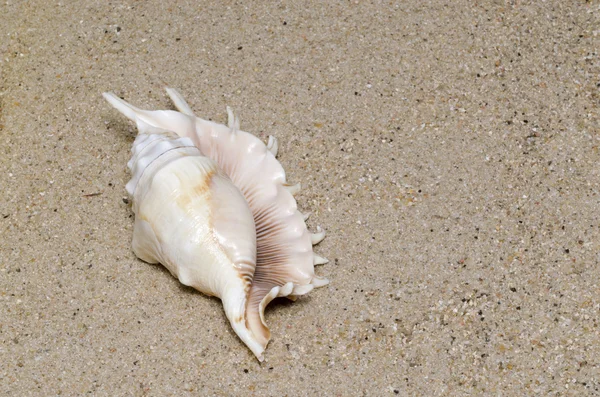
<point x="450" y="151"/>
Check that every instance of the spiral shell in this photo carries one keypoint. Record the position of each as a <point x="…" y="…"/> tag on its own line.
<point x="284" y="257"/>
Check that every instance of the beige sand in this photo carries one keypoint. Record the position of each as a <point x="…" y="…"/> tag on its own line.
<point x="450" y="151"/>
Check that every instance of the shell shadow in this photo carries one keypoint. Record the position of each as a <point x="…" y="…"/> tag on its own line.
<point x="127" y="132"/>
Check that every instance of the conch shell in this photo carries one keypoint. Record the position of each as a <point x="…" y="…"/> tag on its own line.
<point x="284" y="258"/>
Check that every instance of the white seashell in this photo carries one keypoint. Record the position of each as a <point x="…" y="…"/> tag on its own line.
<point x="285" y="260"/>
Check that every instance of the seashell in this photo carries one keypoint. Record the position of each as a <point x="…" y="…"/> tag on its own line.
<point x="284" y="256"/>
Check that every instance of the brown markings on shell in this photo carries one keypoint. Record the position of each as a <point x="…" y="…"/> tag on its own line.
<point x="202" y="188"/>
<point x="246" y="279"/>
